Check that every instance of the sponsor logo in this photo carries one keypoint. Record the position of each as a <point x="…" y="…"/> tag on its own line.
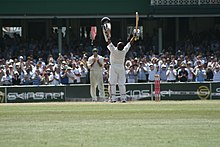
<point x="216" y="93"/>
<point x="203" y="92"/>
<point x="138" y="94"/>
<point x="35" y="96"/>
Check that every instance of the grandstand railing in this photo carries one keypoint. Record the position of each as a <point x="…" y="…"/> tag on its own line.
<point x="184" y="2"/>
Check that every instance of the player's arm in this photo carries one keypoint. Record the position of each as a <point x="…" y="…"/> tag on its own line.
<point x="132" y="40"/>
<point x="129" y="44"/>
<point x="111" y="46"/>
<point x="91" y="62"/>
<point x="100" y="61"/>
<point x="109" y="41"/>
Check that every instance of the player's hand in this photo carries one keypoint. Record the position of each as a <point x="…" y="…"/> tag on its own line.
<point x="108" y="33"/>
<point x="132" y="39"/>
<point x="98" y="60"/>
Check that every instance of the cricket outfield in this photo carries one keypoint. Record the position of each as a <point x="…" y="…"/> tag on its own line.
<point x="133" y="124"/>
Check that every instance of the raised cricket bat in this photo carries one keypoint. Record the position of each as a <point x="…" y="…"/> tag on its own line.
<point x="136" y="26"/>
<point x="137" y="20"/>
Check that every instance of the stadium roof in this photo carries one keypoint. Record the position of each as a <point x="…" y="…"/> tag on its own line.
<point x="184" y="11"/>
<point x="112" y="8"/>
<point x="71" y="8"/>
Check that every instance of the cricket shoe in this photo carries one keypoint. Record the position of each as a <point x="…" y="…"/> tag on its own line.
<point x="124" y="101"/>
<point x="112" y="101"/>
<point x="105" y="100"/>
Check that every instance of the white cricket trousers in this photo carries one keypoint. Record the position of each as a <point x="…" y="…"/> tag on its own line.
<point x="117" y="76"/>
<point x="96" y="79"/>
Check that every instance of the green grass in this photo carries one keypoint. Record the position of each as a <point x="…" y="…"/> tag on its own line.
<point x="134" y="124"/>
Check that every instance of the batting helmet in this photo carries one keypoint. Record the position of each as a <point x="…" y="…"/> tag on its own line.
<point x="105" y="20"/>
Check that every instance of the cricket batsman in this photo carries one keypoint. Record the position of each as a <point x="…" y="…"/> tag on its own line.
<point x="117" y="60"/>
<point x="117" y="69"/>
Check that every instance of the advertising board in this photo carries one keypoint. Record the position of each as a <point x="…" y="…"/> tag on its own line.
<point x="35" y="94"/>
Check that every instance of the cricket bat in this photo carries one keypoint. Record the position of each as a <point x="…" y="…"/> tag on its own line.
<point x="136" y="26"/>
<point x="137" y="21"/>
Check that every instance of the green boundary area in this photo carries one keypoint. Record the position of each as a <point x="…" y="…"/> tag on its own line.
<point x="167" y="123"/>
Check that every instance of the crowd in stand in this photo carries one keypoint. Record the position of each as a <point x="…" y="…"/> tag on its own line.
<point x="196" y="59"/>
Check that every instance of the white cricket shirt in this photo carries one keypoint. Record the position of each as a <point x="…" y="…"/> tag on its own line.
<point x="116" y="56"/>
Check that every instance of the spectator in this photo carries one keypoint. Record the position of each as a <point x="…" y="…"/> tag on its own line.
<point x="36" y="78"/>
<point x="45" y="78"/>
<point x="152" y="72"/>
<point x="190" y="71"/>
<point x="18" y="68"/>
<point x="70" y="75"/>
<point x="146" y="63"/>
<point x="7" y="79"/>
<point x="178" y="64"/>
<point x="27" y="77"/>
<point x="63" y="76"/>
<point x="209" y="74"/>
<point x="21" y="61"/>
<point x="75" y="70"/>
<point x="183" y="73"/>
<point x="162" y="73"/>
<point x="200" y="74"/>
<point x="56" y="75"/>
<point x="171" y="74"/>
<point x="83" y="71"/>
<point x="216" y="74"/>
<point x="135" y="75"/>
<point x="131" y="74"/>
<point x="63" y="65"/>
<point x="50" y="76"/>
<point x="11" y="69"/>
<point x="142" y="71"/>
<point x="128" y="63"/>
<point x="16" y="80"/>
<point x="212" y="62"/>
<point x="50" y="66"/>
